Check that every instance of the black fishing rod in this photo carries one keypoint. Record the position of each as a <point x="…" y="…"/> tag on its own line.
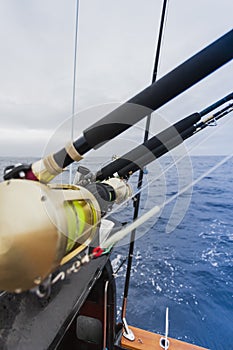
<point x="163" y="142"/>
<point x="157" y="94"/>
<point x="153" y="97"/>
<point x="213" y="118"/>
<point x="140" y="178"/>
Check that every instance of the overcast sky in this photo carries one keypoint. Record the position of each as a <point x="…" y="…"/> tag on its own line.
<point x="116" y="46"/>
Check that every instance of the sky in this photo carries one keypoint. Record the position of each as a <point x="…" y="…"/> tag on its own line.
<point x="116" y="49"/>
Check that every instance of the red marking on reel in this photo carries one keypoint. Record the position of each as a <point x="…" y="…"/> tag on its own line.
<point x="97" y="251"/>
<point x="30" y="176"/>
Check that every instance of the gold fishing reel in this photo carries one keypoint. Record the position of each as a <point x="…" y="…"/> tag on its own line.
<point x="41" y="227"/>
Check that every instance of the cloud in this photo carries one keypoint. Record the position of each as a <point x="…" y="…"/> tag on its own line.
<point x="116" y="48"/>
<point x="28" y="142"/>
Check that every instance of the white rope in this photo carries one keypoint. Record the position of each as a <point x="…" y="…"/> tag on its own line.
<point x="166" y="330"/>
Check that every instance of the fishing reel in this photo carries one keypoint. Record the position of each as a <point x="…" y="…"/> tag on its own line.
<point x="107" y="192"/>
<point x="44" y="226"/>
<point x="40" y="226"/>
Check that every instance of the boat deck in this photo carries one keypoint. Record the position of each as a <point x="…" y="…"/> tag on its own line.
<point x="145" y="340"/>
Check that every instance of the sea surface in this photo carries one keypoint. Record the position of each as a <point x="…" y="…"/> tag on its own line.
<point x="183" y="258"/>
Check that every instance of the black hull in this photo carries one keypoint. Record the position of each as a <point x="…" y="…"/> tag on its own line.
<point x="28" y="322"/>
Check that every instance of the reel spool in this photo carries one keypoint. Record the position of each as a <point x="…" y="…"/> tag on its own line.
<point x="42" y="227"/>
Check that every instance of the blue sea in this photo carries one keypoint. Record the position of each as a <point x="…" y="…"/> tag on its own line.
<point x="187" y="268"/>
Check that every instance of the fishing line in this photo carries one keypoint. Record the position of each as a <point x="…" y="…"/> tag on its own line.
<point x="74" y="81"/>
<point x="156" y="209"/>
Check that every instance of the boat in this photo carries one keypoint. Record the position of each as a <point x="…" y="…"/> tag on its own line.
<point x="57" y="281"/>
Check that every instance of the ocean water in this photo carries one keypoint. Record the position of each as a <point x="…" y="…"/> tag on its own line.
<point x="189" y="270"/>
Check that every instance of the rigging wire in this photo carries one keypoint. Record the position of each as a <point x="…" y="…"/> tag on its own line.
<point x="140" y="176"/>
<point x="74" y="80"/>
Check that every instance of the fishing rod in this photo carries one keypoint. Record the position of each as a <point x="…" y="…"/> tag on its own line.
<point x="163" y="142"/>
<point x="213" y="122"/>
<point x="128" y="333"/>
<point x="55" y="223"/>
<point x="153" y="97"/>
<point x="213" y="118"/>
